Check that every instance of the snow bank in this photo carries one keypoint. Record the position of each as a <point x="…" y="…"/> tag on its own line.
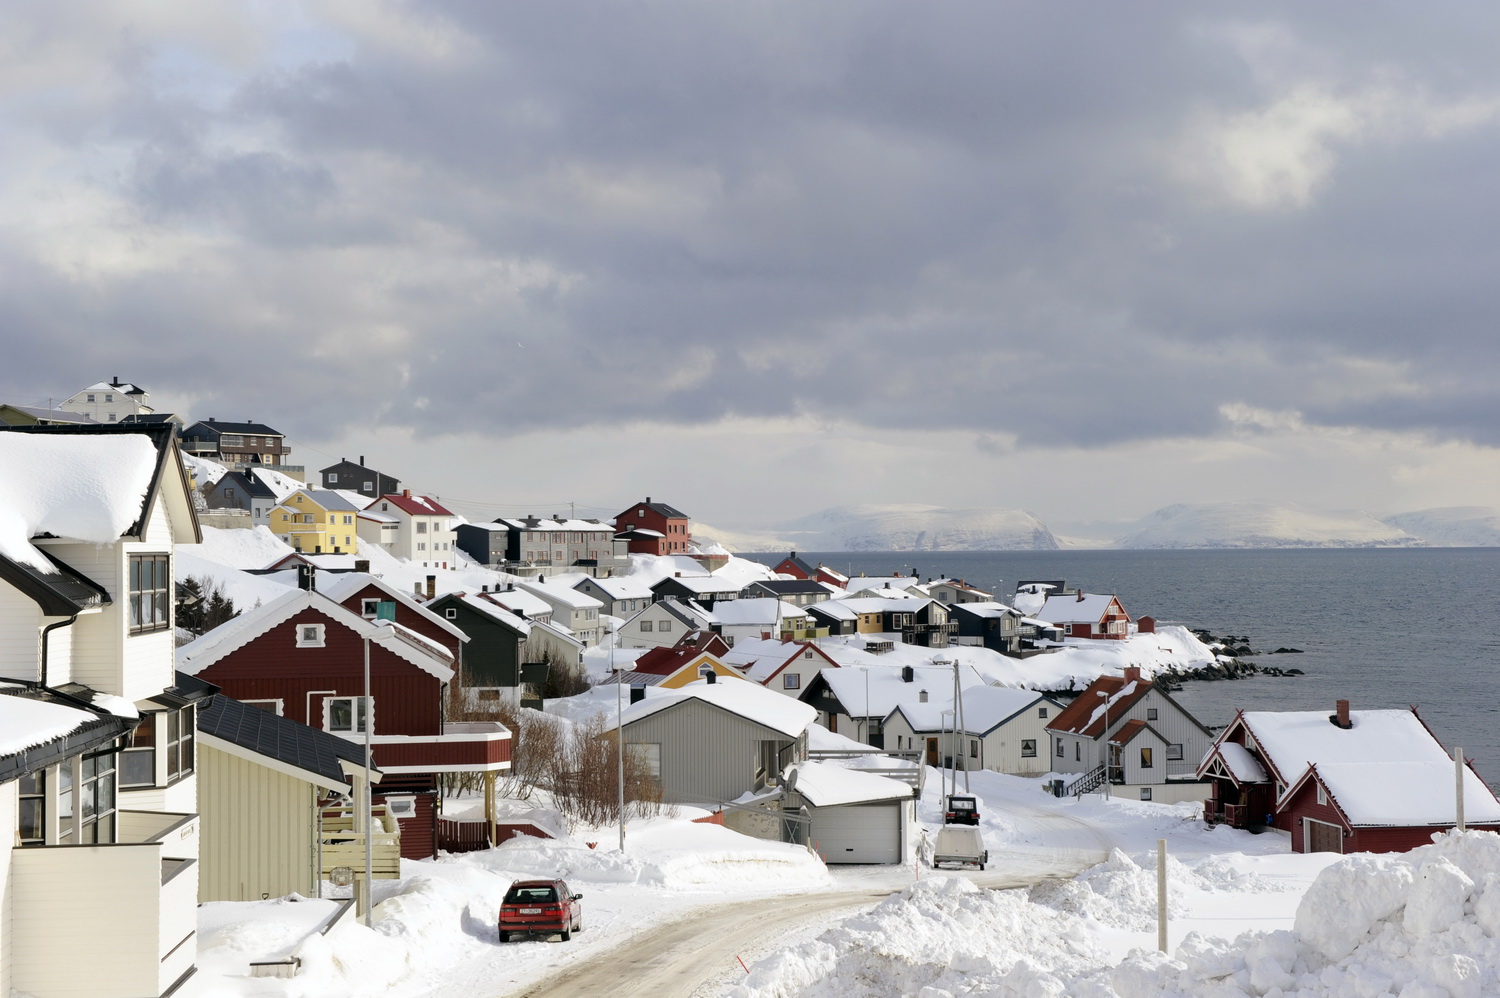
<point x="1424" y="924"/>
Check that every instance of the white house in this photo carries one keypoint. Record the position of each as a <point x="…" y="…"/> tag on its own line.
<point x="784" y="666"/>
<point x="758" y="618"/>
<point x="855" y="700"/>
<point x="663" y="623"/>
<point x="424" y="529"/>
<point x="577" y="611"/>
<point x="110" y="401"/>
<point x="1004" y="729"/>
<point x="96" y="728"/>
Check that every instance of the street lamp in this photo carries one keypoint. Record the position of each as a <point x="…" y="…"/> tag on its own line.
<point x="619" y="732"/>
<point x="1105" y="695"/>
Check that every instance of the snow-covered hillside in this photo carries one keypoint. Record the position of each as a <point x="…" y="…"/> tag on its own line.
<point x="1262" y="525"/>
<point x="917" y="528"/>
<point x="1452" y="526"/>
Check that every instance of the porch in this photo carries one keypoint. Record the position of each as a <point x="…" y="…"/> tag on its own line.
<point x="1217" y="812"/>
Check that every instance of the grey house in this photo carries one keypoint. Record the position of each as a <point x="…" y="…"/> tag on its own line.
<point x="533" y="544"/>
<point x="622" y="597"/>
<point x="351" y="477"/>
<point x="801" y="592"/>
<point x="238" y="490"/>
<point x="708" y="743"/>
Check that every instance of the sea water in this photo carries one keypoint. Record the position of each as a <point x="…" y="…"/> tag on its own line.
<point x="1381" y="628"/>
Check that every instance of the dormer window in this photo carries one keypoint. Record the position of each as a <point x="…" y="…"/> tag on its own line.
<point x="310" y="636"/>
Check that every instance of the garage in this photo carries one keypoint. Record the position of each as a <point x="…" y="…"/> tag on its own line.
<point x="853" y="817"/>
<point x="857" y="833"/>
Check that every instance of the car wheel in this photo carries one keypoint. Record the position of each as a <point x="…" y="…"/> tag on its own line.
<point x="566" y="934"/>
<point x="579" y="926"/>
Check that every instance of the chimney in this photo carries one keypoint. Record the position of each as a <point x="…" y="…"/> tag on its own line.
<point x="637" y="694"/>
<point x="362" y="565"/>
<point x="416" y="588"/>
<point x="361" y="460"/>
<point x="1132" y="673"/>
<point x="648" y="499"/>
<point x="908" y="674"/>
<point x="921" y="696"/>
<point x="1080" y="596"/>
<point x="710" y="677"/>
<point x="432" y="587"/>
<point x="1341" y="718"/>
<point x="307" y="578"/>
<point x="406" y="493"/>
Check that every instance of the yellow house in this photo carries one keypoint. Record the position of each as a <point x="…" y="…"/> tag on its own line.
<point x="697" y="668"/>
<point x="317" y="521"/>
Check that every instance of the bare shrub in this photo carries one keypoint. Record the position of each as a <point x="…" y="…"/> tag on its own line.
<point x="538" y="745"/>
<point x="588" y="793"/>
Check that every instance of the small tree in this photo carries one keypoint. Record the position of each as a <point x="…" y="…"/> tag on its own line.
<point x="589" y="792"/>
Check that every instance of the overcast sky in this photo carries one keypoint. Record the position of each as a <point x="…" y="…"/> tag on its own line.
<point x="756" y="259"/>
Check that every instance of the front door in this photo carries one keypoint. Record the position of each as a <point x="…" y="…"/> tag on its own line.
<point x="932" y="752"/>
<point x="1319" y="836"/>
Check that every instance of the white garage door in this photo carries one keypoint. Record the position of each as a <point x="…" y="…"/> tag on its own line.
<point x="858" y="833"/>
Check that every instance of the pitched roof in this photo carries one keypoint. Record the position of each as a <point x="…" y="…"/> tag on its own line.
<point x="328" y="499"/>
<point x="699" y="584"/>
<point x="545" y="523"/>
<point x="985" y="707"/>
<point x="665" y="661"/>
<point x="763" y="610"/>
<point x="415" y="505"/>
<point x="662" y="508"/>
<point x="1290" y="741"/>
<point x="343" y="587"/>
<point x="55" y="415"/>
<point x="620" y="587"/>
<point x="876" y="690"/>
<point x="748" y="700"/>
<point x="253" y="486"/>
<point x="1398" y="794"/>
<point x="1085" y="606"/>
<point x="60" y="592"/>
<point x="789" y="587"/>
<point x="214" y="427"/>
<point x="824" y="784"/>
<point x="41" y="726"/>
<point x="123" y="387"/>
<point x="281" y="739"/>
<point x="1086" y="714"/>
<point x="571" y="598"/>
<point x="799" y="564"/>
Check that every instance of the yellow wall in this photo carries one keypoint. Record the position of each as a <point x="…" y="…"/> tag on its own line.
<point x="689" y="673"/>
<point x="327" y="533"/>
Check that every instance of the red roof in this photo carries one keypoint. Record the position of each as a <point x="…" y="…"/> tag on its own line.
<point x="415" y="505"/>
<point x="1125" y="732"/>
<point x="665" y="661"/>
<point x="1083" y="716"/>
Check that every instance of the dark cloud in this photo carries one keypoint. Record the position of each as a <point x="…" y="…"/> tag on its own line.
<point x="975" y="218"/>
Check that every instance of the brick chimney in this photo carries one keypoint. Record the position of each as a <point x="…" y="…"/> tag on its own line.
<point x="432" y="587"/>
<point x="1132" y="673"/>
<point x="1080" y="596"/>
<point x="362" y="565"/>
<point x="1341" y="714"/>
<point x="406" y="493"/>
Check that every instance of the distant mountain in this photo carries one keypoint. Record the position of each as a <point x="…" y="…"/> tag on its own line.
<point x="1452" y="526"/>
<point x="918" y="528"/>
<point x="1262" y="525"/>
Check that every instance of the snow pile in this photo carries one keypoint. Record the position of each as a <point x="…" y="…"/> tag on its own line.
<point x="201" y="470"/>
<point x="79" y="488"/>
<point x="1424" y="924"/>
<point x="942" y="934"/>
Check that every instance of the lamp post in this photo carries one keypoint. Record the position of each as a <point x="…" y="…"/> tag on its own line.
<point x="1105" y="695"/>
<point x="952" y="776"/>
<point x="364" y="721"/>
<point x="619" y="734"/>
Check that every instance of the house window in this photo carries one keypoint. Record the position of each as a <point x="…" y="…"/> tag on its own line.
<point x="276" y="707"/>
<point x="1145" y="758"/>
<point x="1322" y="794"/>
<point x="1078" y="751"/>
<point x="31" y="825"/>
<point x="1028" y="748"/>
<point x="344" y="714"/>
<point x="1041" y="712"/>
<point x="109" y="398"/>
<point x="451" y="613"/>
<point x="229" y="493"/>
<point x="368" y="608"/>
<point x="178" y="745"/>
<point x="91" y="398"/>
<point x="138" y="766"/>
<point x="791" y="681"/>
<point x="367" y="487"/>
<point x="1150" y="713"/>
<point x="666" y="625"/>
<point x="333" y="479"/>
<point x="348" y="519"/>
<point x="421" y="526"/>
<point x="150" y="586"/>
<point x="973" y="748"/>
<point x="1174" y="752"/>
<point x="310" y="636"/>
<point x="1059" y="748"/>
<point x="648" y="756"/>
<point x="1145" y="793"/>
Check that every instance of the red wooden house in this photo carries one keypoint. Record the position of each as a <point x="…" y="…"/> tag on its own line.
<point x="1351" y="781"/>
<point x="1087" y="615"/>
<point x="302" y="656"/>
<point x="654" y="528"/>
<point x="797" y="568"/>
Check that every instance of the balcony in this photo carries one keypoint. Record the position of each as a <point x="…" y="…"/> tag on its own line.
<point x="340" y="844"/>
<point x="463" y="747"/>
<point x="139" y="921"/>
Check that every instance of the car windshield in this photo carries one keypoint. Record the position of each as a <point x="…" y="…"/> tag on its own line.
<point x="530" y="895"/>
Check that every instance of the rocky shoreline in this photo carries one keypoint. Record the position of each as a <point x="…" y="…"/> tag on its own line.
<point x="1234" y="652"/>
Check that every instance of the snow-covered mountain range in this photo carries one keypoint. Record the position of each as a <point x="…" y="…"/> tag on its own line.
<point x="1229" y="524"/>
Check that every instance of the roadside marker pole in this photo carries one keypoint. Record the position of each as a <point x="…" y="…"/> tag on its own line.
<point x="1161" y="894"/>
<point x="1458" y="788"/>
<point x="742" y="964"/>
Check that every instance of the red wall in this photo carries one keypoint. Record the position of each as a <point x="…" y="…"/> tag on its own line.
<point x="408" y="700"/>
<point x="406" y="617"/>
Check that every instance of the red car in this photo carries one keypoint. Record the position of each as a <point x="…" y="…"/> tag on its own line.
<point x="540" y="906"/>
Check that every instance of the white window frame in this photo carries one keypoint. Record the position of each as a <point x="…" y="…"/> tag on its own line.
<point x="1322" y="795"/>
<point x="368" y="607"/>
<point x="791" y="680"/>
<point x="354" y="729"/>
<point x="312" y="636"/>
<point x="402" y="806"/>
<point x="278" y="704"/>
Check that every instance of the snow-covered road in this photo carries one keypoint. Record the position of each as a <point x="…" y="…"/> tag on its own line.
<point x="700" y="952"/>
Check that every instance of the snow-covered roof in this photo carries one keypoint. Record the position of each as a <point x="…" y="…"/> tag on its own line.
<point x="562" y="595"/>
<point x="1242" y="763"/>
<point x="344" y="586"/>
<point x="874" y="604"/>
<point x="1406" y="793"/>
<point x="1292" y="740"/>
<point x="887" y="689"/>
<point x="985" y="707"/>
<point x="622" y="587"/>
<point x="521" y="601"/>
<point x="26" y="723"/>
<point x="760" y="610"/>
<point x="377" y="517"/>
<point x="1061" y="609"/>
<point x="80" y="487"/>
<point x="827" y="785"/>
<point x="748" y="700"/>
<point x="327" y="499"/>
<point x="988" y="609"/>
<point x="703" y="584"/>
<point x="415" y="505"/>
<point x="544" y="523"/>
<point x="898" y="582"/>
